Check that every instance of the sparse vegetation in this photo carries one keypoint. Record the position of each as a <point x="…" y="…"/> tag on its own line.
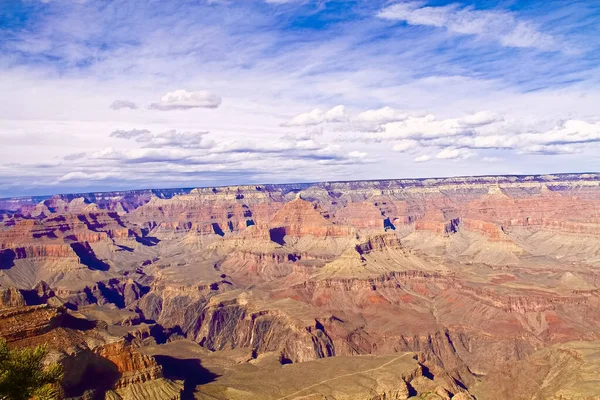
<point x="24" y="376"/>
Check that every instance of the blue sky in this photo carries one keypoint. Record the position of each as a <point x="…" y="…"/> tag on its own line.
<point x="104" y="95"/>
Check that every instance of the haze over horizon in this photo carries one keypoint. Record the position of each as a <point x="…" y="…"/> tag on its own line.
<point x="127" y="94"/>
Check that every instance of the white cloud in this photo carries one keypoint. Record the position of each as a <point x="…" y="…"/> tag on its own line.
<point x="318" y="116"/>
<point x="423" y="158"/>
<point x="145" y="155"/>
<point x="172" y="138"/>
<point x="405" y="145"/>
<point x="83" y="176"/>
<point x="447" y="154"/>
<point x="454" y="154"/>
<point x="119" y="104"/>
<point x="357" y="154"/>
<point x="308" y="134"/>
<point x="501" y="26"/>
<point x="307" y="144"/>
<point x="481" y="118"/>
<point x="183" y="100"/>
<point x="571" y="131"/>
<point x="285" y="148"/>
<point x="477" y="140"/>
<point x="558" y="140"/>
<point x="484" y="130"/>
<point x="383" y="115"/>
<point x="429" y="127"/>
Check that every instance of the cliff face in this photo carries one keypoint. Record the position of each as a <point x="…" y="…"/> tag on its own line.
<point x="230" y="326"/>
<point x="468" y="273"/>
<point x="95" y="362"/>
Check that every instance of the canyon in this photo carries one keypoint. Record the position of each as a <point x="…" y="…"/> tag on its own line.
<point x="449" y="288"/>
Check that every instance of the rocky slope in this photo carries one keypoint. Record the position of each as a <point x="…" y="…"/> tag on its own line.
<point x="567" y="371"/>
<point x="471" y="275"/>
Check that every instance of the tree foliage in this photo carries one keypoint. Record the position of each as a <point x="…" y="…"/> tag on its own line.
<point x="23" y="375"/>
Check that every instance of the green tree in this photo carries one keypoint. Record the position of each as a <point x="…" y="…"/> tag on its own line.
<point x="23" y="375"/>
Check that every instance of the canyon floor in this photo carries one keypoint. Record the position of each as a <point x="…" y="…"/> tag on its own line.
<point x="450" y="288"/>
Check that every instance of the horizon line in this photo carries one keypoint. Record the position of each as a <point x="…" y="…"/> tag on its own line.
<point x="190" y="188"/>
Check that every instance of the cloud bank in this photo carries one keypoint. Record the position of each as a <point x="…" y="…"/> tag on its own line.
<point x="184" y="100"/>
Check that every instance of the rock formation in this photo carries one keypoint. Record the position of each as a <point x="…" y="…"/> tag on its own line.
<point x="458" y="283"/>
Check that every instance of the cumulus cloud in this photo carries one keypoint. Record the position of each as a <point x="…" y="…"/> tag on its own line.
<point x="457" y="138"/>
<point x="412" y="129"/>
<point x="482" y="130"/>
<point x="501" y="26"/>
<point x="119" y="104"/>
<point x="481" y="118"/>
<point x="562" y="139"/>
<point x="129" y="134"/>
<point x="429" y="127"/>
<point x="423" y="158"/>
<point x="383" y="115"/>
<point x="373" y="120"/>
<point x="179" y="148"/>
<point x="165" y="156"/>
<point x="570" y="131"/>
<point x="405" y="146"/>
<point x="318" y="116"/>
<point x="172" y="138"/>
<point x="454" y="154"/>
<point x="449" y="153"/>
<point x="84" y="176"/>
<point x="288" y="149"/>
<point x="495" y="141"/>
<point x="183" y="100"/>
<point x="357" y="154"/>
<point x="308" y="134"/>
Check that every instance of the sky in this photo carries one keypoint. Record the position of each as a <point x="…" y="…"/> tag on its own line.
<point x="101" y="95"/>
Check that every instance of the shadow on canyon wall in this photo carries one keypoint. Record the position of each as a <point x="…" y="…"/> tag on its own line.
<point x="7" y="259"/>
<point x="190" y="371"/>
